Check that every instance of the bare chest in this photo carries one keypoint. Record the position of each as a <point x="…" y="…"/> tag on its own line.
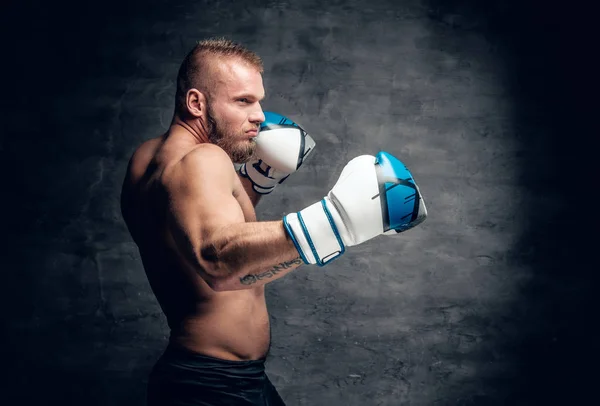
<point x="244" y="201"/>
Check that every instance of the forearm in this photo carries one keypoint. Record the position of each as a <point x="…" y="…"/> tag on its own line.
<point x="247" y="255"/>
<point x="252" y="280"/>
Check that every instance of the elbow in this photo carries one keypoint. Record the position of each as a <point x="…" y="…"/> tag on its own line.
<point x="216" y="285"/>
<point x="220" y="283"/>
<point x="219" y="268"/>
<point x="214" y="277"/>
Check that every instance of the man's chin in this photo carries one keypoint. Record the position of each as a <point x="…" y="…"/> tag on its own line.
<point x="242" y="154"/>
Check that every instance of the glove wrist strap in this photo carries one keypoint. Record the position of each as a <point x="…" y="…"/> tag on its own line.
<point x="262" y="179"/>
<point x="315" y="233"/>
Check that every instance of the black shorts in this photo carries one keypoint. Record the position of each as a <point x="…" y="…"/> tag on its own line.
<point x="182" y="378"/>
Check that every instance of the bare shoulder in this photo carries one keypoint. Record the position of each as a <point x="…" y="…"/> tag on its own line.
<point x="201" y="164"/>
<point x="142" y="156"/>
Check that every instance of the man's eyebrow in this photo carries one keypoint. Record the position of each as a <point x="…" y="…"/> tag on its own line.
<point x="250" y="96"/>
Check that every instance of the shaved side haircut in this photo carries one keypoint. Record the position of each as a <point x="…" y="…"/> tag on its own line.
<point x="195" y="70"/>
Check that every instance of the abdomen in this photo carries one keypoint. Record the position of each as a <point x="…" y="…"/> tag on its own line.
<point x="228" y="325"/>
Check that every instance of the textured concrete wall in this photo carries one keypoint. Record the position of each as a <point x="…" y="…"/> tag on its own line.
<point x="488" y="303"/>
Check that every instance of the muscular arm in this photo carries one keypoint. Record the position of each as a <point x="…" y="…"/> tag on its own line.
<point x="208" y="226"/>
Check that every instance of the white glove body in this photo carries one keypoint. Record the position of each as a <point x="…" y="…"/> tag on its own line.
<point x="282" y="146"/>
<point x="373" y="196"/>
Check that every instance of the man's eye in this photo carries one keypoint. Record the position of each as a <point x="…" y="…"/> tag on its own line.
<point x="244" y="100"/>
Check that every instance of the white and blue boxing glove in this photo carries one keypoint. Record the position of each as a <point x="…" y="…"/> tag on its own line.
<point x="373" y="196"/>
<point x="281" y="148"/>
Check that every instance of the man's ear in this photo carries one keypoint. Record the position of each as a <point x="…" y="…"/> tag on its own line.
<point x="195" y="102"/>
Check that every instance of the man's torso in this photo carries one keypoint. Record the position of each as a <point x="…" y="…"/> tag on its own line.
<point x="230" y="325"/>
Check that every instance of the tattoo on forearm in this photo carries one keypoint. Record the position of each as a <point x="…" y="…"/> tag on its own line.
<point x="250" y="279"/>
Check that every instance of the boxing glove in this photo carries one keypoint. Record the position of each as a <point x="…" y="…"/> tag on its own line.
<point x="373" y="196"/>
<point x="281" y="148"/>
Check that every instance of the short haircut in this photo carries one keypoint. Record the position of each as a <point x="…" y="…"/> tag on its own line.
<point x="194" y="71"/>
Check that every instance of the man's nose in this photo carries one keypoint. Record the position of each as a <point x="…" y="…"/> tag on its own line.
<point x="257" y="116"/>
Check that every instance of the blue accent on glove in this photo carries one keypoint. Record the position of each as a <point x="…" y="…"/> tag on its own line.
<point x="400" y="191"/>
<point x="272" y="119"/>
<point x="329" y="258"/>
<point x="308" y="239"/>
<point x="291" y="234"/>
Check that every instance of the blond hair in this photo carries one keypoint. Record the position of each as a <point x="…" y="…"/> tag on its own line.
<point x="194" y="71"/>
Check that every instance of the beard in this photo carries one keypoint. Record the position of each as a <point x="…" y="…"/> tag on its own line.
<point x="239" y="148"/>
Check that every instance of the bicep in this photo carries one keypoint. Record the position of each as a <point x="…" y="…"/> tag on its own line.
<point x="201" y="203"/>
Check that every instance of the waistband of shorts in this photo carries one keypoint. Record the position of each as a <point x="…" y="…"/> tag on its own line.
<point x="174" y="352"/>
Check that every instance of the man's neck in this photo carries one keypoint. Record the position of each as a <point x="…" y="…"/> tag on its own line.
<point x="193" y="128"/>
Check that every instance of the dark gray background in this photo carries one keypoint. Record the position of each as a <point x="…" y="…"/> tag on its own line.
<point x="492" y="107"/>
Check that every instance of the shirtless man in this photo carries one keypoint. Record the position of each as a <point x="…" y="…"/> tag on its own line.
<point x="205" y="255"/>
